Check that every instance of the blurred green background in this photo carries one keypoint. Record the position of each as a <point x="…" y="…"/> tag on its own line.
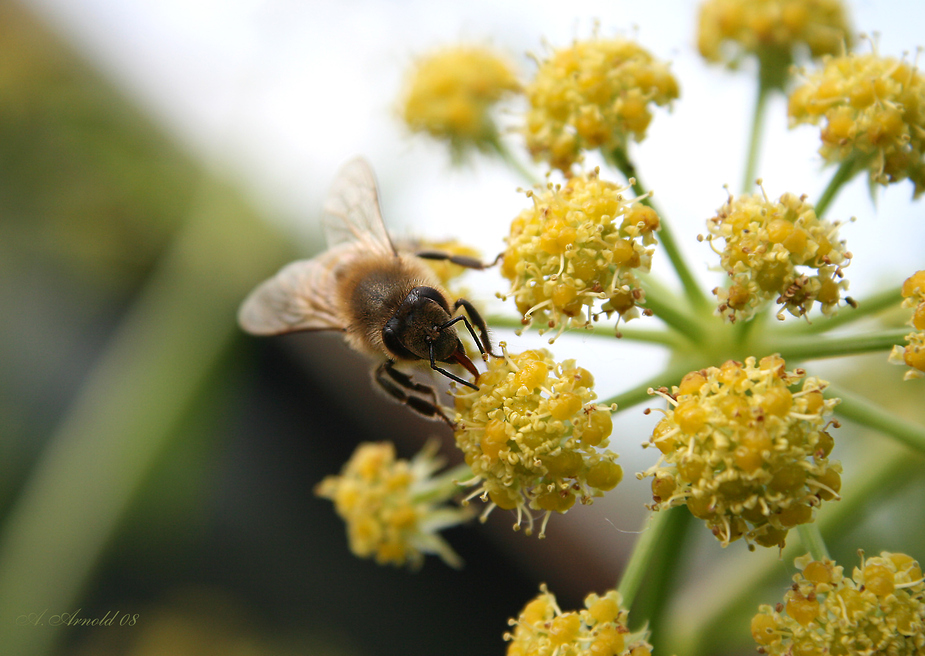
<point x="154" y="461"/>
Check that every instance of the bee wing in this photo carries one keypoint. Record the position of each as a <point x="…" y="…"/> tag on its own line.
<point x="299" y="297"/>
<point x="352" y="211"/>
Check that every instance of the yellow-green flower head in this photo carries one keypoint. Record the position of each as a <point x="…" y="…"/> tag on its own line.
<point x="879" y="610"/>
<point x="913" y="354"/>
<point x="532" y="436"/>
<point x="874" y="111"/>
<point x="600" y="628"/>
<point x="577" y="249"/>
<point x="777" y="250"/>
<point x="451" y="92"/>
<point x="392" y="507"/>
<point x="744" y="452"/>
<point x="594" y="94"/>
<point x="772" y="30"/>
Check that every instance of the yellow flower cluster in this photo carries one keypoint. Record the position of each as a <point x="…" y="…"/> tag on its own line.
<point x="595" y="94"/>
<point x="578" y="245"/>
<point x="531" y="435"/>
<point x="765" y="242"/>
<point x="772" y="30"/>
<point x="450" y="93"/>
<point x="879" y="610"/>
<point x="542" y="629"/>
<point x="874" y="111"/>
<point x="392" y="507"/>
<point x="913" y="354"/>
<point x="747" y="455"/>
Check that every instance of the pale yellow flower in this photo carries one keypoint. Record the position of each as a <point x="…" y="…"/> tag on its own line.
<point x="743" y="452"/>
<point x="450" y="94"/>
<point x="600" y="628"/>
<point x="873" y="110"/>
<point x="576" y="250"/>
<point x="772" y="30"/>
<point x="393" y="507"/>
<point x="913" y="354"/>
<point x="879" y="610"/>
<point x="777" y="250"/>
<point x="595" y="94"/>
<point x="533" y="436"/>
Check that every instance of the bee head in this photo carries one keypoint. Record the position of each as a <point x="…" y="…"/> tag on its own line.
<point x="419" y="327"/>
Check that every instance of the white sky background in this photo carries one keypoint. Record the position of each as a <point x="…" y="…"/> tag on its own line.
<point x="277" y="94"/>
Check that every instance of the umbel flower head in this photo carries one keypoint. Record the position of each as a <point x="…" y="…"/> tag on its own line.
<point x="744" y="452"/>
<point x="393" y="507"/>
<point x="543" y="629"/>
<point x="595" y="94"/>
<point x="913" y="354"/>
<point x="450" y="93"/>
<point x="777" y="250"/>
<point x="773" y="31"/>
<point x="873" y="109"/>
<point x="879" y="610"/>
<point x="578" y="246"/>
<point x="531" y="434"/>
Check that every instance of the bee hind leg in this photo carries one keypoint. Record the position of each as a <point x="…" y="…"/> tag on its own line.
<point x="398" y="385"/>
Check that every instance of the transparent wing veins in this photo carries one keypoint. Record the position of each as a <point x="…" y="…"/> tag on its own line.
<point x="352" y="212"/>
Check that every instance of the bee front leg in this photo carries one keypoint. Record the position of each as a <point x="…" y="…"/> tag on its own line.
<point x="394" y="383"/>
<point x="485" y="343"/>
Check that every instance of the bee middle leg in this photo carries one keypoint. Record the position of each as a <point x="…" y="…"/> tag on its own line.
<point x="395" y="383"/>
<point x="461" y="260"/>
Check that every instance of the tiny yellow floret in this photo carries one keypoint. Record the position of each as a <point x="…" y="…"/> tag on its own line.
<point x="913" y="354"/>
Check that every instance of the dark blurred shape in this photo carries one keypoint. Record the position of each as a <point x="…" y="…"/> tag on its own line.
<point x="224" y="549"/>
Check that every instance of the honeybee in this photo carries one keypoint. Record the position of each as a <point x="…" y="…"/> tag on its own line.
<point x="385" y="300"/>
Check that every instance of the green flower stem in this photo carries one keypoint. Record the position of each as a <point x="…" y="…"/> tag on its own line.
<point x="701" y="616"/>
<point x="754" y="144"/>
<point x="817" y="347"/>
<point x="499" y="147"/>
<point x="671" y="375"/>
<point x="843" y="174"/>
<point x="657" y="524"/>
<point x="692" y="290"/>
<point x="661" y="573"/>
<point x="661" y="337"/>
<point x="866" y="413"/>
<point x="125" y="415"/>
<point x="865" y="307"/>
<point x="811" y="539"/>
<point x="675" y="317"/>
<point x="444" y="485"/>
